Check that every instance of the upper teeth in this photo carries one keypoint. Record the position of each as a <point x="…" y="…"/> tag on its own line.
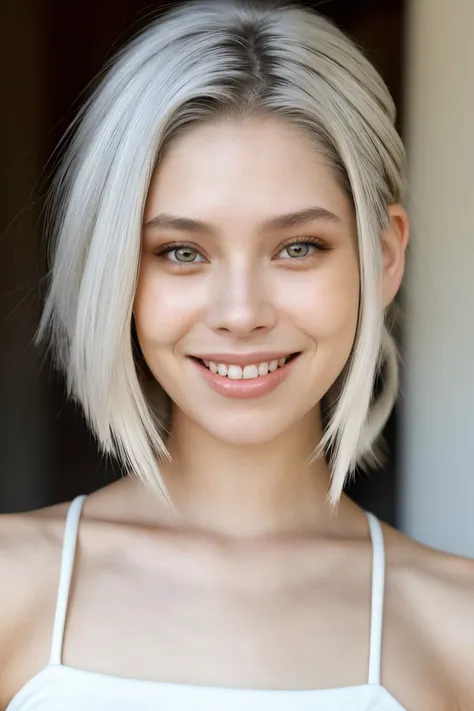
<point x="235" y="372"/>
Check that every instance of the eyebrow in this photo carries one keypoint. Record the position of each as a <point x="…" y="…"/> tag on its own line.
<point x="279" y="222"/>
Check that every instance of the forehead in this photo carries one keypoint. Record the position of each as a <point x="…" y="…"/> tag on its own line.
<point x="255" y="167"/>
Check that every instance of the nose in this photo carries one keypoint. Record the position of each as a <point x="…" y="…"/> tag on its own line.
<point x="240" y="302"/>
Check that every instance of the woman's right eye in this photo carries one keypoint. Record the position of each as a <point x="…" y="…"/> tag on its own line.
<point x="180" y="254"/>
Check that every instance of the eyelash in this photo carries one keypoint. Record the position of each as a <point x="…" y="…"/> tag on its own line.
<point x="313" y="241"/>
<point x="161" y="252"/>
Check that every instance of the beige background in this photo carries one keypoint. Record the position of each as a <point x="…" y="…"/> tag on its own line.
<point x="437" y="437"/>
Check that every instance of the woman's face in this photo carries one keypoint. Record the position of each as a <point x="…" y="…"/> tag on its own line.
<point x="249" y="256"/>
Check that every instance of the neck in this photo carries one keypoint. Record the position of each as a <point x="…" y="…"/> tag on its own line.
<point x="249" y="490"/>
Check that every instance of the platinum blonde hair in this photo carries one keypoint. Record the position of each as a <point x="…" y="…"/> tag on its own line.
<point x="203" y="61"/>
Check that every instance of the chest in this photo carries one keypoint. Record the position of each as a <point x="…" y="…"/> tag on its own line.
<point x="247" y="624"/>
<point x="242" y="624"/>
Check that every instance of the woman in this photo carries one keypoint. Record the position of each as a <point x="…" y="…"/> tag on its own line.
<point x="230" y="240"/>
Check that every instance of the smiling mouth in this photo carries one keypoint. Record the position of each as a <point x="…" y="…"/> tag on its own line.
<point x="248" y="372"/>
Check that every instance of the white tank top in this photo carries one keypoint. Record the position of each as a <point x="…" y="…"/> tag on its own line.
<point x="59" y="687"/>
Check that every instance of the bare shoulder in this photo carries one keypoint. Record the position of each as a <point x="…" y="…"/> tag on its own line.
<point x="30" y="552"/>
<point x="437" y="590"/>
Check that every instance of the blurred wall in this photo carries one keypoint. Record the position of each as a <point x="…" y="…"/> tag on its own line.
<point x="437" y="424"/>
<point x="25" y="431"/>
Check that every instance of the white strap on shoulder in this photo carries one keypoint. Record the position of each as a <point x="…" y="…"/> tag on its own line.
<point x="65" y="576"/>
<point x="378" y="585"/>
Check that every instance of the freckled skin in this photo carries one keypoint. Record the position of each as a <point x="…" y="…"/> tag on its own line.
<point x="243" y="298"/>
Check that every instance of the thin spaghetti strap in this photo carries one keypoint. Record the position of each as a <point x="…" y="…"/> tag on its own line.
<point x="378" y="585"/>
<point x="71" y="528"/>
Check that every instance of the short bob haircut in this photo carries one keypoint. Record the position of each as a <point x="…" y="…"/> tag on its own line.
<point x="210" y="60"/>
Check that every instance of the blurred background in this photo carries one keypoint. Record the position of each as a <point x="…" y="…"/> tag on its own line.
<point x="51" y="50"/>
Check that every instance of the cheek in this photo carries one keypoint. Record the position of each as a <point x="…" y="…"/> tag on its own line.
<point x="325" y="305"/>
<point x="165" y="308"/>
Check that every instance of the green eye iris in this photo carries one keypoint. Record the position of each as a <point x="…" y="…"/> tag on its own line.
<point x="298" y="250"/>
<point x="184" y="255"/>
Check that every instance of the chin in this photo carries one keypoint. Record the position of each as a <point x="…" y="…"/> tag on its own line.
<point x="246" y="430"/>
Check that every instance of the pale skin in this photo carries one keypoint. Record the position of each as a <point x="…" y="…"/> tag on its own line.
<point x="255" y="582"/>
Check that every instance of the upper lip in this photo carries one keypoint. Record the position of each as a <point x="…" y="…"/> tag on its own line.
<point x="244" y="358"/>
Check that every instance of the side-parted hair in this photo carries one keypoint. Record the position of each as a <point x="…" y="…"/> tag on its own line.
<point x="204" y="61"/>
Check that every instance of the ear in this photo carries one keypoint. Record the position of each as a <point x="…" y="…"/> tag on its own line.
<point x="394" y="243"/>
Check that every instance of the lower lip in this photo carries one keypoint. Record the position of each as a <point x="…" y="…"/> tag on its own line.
<point x="245" y="388"/>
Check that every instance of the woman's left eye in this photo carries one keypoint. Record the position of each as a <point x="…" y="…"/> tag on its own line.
<point x="296" y="250"/>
